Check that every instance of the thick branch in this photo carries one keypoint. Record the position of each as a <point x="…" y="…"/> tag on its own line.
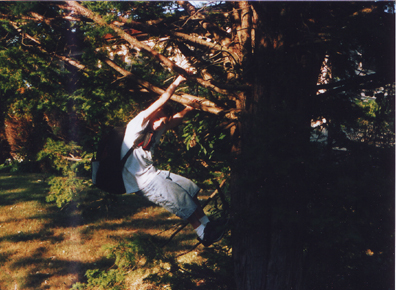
<point x="190" y="9"/>
<point x="185" y="99"/>
<point x="39" y="18"/>
<point x="75" y="159"/>
<point x="246" y="28"/>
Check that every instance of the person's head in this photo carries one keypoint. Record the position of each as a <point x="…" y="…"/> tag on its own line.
<point x="161" y="117"/>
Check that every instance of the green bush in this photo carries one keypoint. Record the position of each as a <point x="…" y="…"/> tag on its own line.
<point x="128" y="255"/>
<point x="64" y="189"/>
<point x="71" y="181"/>
<point x="106" y="280"/>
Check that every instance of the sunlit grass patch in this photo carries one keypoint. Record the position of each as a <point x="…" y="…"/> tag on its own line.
<point x="45" y="247"/>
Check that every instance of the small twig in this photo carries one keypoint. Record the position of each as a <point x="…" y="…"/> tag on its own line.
<point x="72" y="158"/>
<point x="190" y="250"/>
<point x="213" y="194"/>
<point x="175" y="233"/>
<point x="163" y="231"/>
<point x="195" y="13"/>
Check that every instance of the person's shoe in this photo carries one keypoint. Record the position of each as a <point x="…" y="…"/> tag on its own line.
<point x="212" y="234"/>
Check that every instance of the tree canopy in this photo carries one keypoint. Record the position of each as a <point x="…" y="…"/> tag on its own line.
<point x="259" y="74"/>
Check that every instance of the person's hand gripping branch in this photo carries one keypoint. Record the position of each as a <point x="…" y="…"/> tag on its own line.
<point x="154" y="107"/>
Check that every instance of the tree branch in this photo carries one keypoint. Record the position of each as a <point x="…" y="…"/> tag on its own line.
<point x="190" y="39"/>
<point x="193" y="41"/>
<point x="61" y="57"/>
<point x="185" y="99"/>
<point x="217" y="32"/>
<point x="355" y="82"/>
<point x="39" y="18"/>
<point x="136" y="43"/>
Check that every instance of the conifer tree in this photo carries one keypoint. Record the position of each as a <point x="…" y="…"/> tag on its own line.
<point x="85" y="65"/>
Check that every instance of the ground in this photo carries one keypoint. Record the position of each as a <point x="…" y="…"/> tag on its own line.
<point x="44" y="247"/>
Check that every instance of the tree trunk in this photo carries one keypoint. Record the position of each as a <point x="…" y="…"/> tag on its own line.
<point x="269" y="181"/>
<point x="267" y="234"/>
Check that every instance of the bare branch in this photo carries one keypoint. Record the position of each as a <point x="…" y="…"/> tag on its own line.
<point x="208" y="26"/>
<point x="74" y="159"/>
<point x="369" y="81"/>
<point x="182" y="98"/>
<point x="192" y="40"/>
<point x="48" y="21"/>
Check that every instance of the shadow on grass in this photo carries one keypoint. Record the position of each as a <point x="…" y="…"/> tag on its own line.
<point x="97" y="214"/>
<point x="45" y="268"/>
<point x="115" y="207"/>
<point x="22" y="187"/>
<point x="43" y="235"/>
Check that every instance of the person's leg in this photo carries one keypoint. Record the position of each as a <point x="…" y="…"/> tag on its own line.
<point x="199" y="213"/>
<point x="170" y="195"/>
<point x="178" y="195"/>
<point x="192" y="189"/>
<point x="194" y="220"/>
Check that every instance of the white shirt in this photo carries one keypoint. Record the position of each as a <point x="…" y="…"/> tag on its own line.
<point x="139" y="169"/>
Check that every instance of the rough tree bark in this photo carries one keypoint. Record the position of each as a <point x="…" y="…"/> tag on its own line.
<point x="267" y="188"/>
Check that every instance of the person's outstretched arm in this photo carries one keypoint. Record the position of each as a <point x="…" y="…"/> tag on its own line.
<point x="178" y="117"/>
<point x="162" y="99"/>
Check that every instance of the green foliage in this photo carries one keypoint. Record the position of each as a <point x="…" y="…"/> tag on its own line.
<point x="197" y="150"/>
<point x="65" y="189"/>
<point x="128" y="255"/>
<point x="369" y="107"/>
<point x="71" y="185"/>
<point x="142" y="253"/>
<point x="140" y="250"/>
<point x="196" y="133"/>
<point x="103" y="280"/>
<point x="213" y="273"/>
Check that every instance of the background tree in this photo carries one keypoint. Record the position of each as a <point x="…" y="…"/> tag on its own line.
<point x="83" y="66"/>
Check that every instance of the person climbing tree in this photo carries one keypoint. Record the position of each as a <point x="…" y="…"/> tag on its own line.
<point x="175" y="193"/>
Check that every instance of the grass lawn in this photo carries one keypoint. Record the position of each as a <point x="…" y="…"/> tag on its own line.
<point x="44" y="247"/>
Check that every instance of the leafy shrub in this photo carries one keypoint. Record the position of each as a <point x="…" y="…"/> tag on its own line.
<point x="128" y="255"/>
<point x="106" y="280"/>
<point x="64" y="189"/>
<point x="72" y="182"/>
<point x="142" y="252"/>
